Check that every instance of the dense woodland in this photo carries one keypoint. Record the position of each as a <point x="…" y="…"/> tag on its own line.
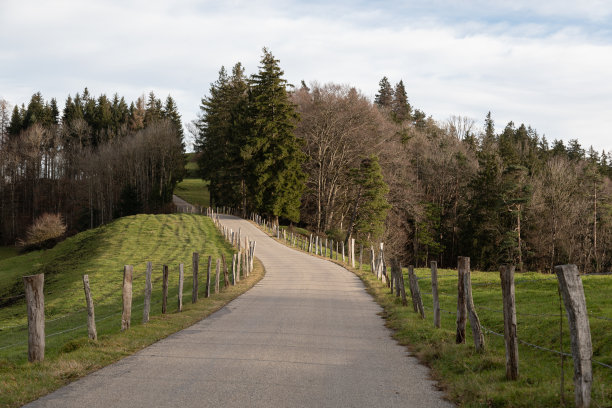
<point x="321" y="156"/>
<point x="383" y="170"/>
<point x="100" y="159"/>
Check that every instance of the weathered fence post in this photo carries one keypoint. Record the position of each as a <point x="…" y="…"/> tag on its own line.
<point x="208" y="276"/>
<point x="147" y="294"/>
<point x="416" y="292"/>
<point x="400" y="275"/>
<point x="469" y="302"/>
<point x="91" y="316"/>
<point x="226" y="281"/>
<point x="217" y="273"/>
<point x="510" y="337"/>
<point x="126" y="315"/>
<point x="434" y="293"/>
<point x="164" y="288"/>
<point x="343" y="259"/>
<point x="180" y="287"/>
<point x="234" y="268"/>
<point x="572" y="292"/>
<point x="196" y="261"/>
<point x="360" y="255"/>
<point x="35" y="300"/>
<point x="352" y="253"/>
<point x="461" y="307"/>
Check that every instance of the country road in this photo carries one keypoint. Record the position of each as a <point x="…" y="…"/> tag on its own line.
<point x="307" y="335"/>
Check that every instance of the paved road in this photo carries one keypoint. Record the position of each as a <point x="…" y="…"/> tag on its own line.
<point x="307" y="335"/>
<point x="182" y="205"/>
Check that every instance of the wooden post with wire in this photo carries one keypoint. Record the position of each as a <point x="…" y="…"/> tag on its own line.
<point x="35" y="301"/>
<point x="572" y="291"/>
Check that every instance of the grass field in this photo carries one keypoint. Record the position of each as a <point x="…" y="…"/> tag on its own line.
<point x="101" y="253"/>
<point x="478" y="380"/>
<point x="7" y="252"/>
<point x="194" y="191"/>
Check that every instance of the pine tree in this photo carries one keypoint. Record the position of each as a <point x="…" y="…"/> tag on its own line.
<point x="400" y="108"/>
<point x="170" y="112"/>
<point x="154" y="110"/>
<point x="16" y="124"/>
<point x="384" y="97"/>
<point x="275" y="180"/>
<point x="369" y="204"/>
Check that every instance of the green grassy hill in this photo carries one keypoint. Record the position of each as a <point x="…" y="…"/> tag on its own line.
<point x="101" y="253"/>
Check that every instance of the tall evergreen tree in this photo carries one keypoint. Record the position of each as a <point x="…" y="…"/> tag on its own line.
<point x="274" y="177"/>
<point x="171" y="113"/>
<point x="400" y="108"/>
<point x="369" y="205"/>
<point x="384" y="97"/>
<point x="154" y="110"/>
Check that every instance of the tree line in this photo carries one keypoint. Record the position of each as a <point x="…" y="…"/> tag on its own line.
<point x="384" y="170"/>
<point x="100" y="159"/>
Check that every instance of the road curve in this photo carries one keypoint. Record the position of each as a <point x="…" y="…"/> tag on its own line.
<point x="307" y="335"/>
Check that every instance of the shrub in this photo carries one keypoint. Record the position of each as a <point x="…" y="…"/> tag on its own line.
<point x="45" y="232"/>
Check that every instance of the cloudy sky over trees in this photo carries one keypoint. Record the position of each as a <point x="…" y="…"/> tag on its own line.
<point x="547" y="64"/>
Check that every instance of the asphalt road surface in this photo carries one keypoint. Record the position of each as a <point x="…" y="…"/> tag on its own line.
<point x="307" y="335"/>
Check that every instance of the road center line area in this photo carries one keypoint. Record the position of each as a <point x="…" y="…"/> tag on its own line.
<point x="307" y="335"/>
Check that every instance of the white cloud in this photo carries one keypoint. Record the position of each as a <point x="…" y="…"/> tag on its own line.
<point x="523" y="69"/>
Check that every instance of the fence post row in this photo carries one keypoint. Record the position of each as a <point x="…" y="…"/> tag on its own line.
<point x="91" y="316"/>
<point x="126" y="314"/>
<point x="510" y="336"/>
<point x="35" y="301"/>
<point x="572" y="292"/>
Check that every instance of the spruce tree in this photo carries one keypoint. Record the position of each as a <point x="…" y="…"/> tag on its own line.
<point x="369" y="204"/>
<point x="400" y="108"/>
<point x="275" y="180"/>
<point x="16" y="124"/>
<point x="384" y="97"/>
<point x="170" y="112"/>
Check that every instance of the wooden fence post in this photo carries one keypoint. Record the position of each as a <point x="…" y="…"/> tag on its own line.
<point x="401" y="284"/>
<point x="434" y="292"/>
<point x="164" y="288"/>
<point x="35" y="300"/>
<point x="180" y="287"/>
<point x="218" y="271"/>
<point x="226" y="281"/>
<point x="343" y="260"/>
<point x="417" y="291"/>
<point x="126" y="315"/>
<point x="507" y="283"/>
<point x="91" y="316"/>
<point x="479" y="343"/>
<point x="147" y="294"/>
<point x="353" y="252"/>
<point x="234" y="268"/>
<point x="572" y="292"/>
<point x="208" y="276"/>
<point x="360" y="255"/>
<point x="196" y="261"/>
<point x="461" y="307"/>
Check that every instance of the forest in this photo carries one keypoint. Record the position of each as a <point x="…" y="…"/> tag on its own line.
<point x="320" y="156"/>
<point x="325" y="157"/>
<point x="99" y="160"/>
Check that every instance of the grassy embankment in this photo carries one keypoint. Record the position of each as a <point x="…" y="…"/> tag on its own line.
<point x="472" y="379"/>
<point x="101" y="253"/>
<point x="193" y="189"/>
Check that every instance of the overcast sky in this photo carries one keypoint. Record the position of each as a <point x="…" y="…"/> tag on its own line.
<point x="547" y="64"/>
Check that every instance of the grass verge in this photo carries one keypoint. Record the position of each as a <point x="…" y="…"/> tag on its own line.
<point x="474" y="379"/>
<point x="101" y="253"/>
<point x="194" y="191"/>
